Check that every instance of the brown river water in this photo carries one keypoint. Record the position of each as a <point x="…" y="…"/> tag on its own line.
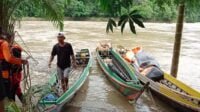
<point x="97" y="94"/>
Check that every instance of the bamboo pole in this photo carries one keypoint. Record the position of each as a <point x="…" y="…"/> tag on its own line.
<point x="177" y="42"/>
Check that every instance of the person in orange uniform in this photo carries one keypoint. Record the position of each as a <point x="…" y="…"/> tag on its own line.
<point x="1" y="83"/>
<point x="6" y="58"/>
<point x="16" y="71"/>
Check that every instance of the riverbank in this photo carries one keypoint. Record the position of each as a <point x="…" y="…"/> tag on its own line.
<point x="69" y="19"/>
<point x="95" y="19"/>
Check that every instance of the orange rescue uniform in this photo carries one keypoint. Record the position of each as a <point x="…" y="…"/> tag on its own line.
<point x="5" y="55"/>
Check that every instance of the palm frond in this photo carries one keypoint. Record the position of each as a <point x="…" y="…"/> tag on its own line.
<point x="111" y="23"/>
<point x="52" y="11"/>
<point x="138" y="22"/>
<point x="11" y="11"/>
<point x="122" y="19"/>
<point x="132" y="17"/>
<point x="123" y="25"/>
<point x="132" y="27"/>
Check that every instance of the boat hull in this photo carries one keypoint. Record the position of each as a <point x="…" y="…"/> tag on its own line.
<point x="56" y="106"/>
<point x="177" y="106"/>
<point x="174" y="99"/>
<point x="129" y="92"/>
<point x="175" y="93"/>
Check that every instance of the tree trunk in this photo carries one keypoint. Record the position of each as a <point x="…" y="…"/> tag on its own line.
<point x="6" y="21"/>
<point x="7" y="25"/>
<point x="177" y="42"/>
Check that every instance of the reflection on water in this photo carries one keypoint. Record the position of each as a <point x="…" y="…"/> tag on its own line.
<point x="98" y="94"/>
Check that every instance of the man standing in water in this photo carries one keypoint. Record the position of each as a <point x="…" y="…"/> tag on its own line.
<point x="64" y="53"/>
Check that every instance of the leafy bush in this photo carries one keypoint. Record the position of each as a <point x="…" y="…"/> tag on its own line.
<point x="91" y="8"/>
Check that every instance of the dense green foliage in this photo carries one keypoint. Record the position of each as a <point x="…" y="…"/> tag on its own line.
<point x="83" y="8"/>
<point x="150" y="10"/>
<point x="13" y="10"/>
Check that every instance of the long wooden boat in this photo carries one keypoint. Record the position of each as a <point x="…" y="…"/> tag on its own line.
<point x="78" y="76"/>
<point x="172" y="91"/>
<point x="118" y="72"/>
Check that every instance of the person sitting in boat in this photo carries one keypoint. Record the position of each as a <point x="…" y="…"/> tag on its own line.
<point x="153" y="72"/>
<point x="148" y="66"/>
<point x="16" y="77"/>
<point x="64" y="52"/>
<point x="103" y="47"/>
<point x="129" y="56"/>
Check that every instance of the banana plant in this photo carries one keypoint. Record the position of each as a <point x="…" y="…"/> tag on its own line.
<point x="114" y="9"/>
<point x="111" y="23"/>
<point x="132" y="18"/>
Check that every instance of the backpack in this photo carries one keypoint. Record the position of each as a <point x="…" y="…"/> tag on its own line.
<point x="16" y="51"/>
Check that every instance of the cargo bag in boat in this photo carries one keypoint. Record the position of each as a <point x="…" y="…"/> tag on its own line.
<point x="155" y="74"/>
<point x="144" y="60"/>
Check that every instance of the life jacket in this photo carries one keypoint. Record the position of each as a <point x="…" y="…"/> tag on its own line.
<point x="5" y="66"/>
<point x="129" y="56"/>
<point x="16" y="52"/>
<point x="1" y="52"/>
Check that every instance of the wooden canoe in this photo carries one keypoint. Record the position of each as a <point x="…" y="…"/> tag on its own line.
<point x="172" y="91"/>
<point x="125" y="80"/>
<point x="76" y="79"/>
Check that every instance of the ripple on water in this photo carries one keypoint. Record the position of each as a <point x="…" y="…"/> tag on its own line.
<point x="97" y="94"/>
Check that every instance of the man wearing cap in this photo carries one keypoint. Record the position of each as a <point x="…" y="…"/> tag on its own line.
<point x="64" y="53"/>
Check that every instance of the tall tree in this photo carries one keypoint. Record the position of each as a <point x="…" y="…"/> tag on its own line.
<point x="53" y="10"/>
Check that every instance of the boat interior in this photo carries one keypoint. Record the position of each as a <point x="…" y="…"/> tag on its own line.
<point x="114" y="65"/>
<point x="82" y="59"/>
<point x="55" y="90"/>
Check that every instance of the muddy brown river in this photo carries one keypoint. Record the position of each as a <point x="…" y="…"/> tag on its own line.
<point x="97" y="94"/>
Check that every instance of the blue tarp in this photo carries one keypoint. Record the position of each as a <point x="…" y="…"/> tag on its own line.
<point x="145" y="59"/>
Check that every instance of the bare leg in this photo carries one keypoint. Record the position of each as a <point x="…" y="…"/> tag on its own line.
<point x="1" y="106"/>
<point x="63" y="85"/>
<point x="66" y="82"/>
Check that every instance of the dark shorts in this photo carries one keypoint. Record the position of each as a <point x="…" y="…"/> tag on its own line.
<point x="13" y="91"/>
<point x="7" y="89"/>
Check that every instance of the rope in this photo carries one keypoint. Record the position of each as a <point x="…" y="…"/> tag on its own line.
<point x="28" y="50"/>
<point x="29" y="90"/>
<point x="27" y="78"/>
<point x="148" y="88"/>
<point x="28" y="106"/>
<point x="153" y="100"/>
